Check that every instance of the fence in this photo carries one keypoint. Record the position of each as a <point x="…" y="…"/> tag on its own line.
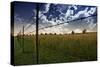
<point x="21" y="35"/>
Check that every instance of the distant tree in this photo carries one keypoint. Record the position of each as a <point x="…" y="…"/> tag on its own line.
<point x="45" y="33"/>
<point x="72" y="32"/>
<point x="84" y="31"/>
<point x="54" y="33"/>
<point x="30" y="35"/>
<point x="50" y="33"/>
<point x="41" y="34"/>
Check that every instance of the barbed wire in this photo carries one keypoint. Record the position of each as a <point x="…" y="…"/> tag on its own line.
<point x="63" y="23"/>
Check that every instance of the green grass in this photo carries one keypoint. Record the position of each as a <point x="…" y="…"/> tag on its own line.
<point x="56" y="48"/>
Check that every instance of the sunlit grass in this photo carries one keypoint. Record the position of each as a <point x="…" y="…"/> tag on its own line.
<point x="57" y="48"/>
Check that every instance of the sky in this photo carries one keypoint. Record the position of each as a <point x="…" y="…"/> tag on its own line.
<point x="53" y="14"/>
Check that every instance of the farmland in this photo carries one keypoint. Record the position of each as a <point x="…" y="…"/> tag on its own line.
<point x="56" y="48"/>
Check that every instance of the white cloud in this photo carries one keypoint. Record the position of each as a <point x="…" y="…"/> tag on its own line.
<point x="75" y="7"/>
<point x="81" y="13"/>
<point x="77" y="30"/>
<point x="92" y="25"/>
<point x="57" y="29"/>
<point x="67" y="13"/>
<point x="47" y="6"/>
<point x="43" y="17"/>
<point x="92" y="10"/>
<point x="53" y="30"/>
<point x="65" y="18"/>
<point x="85" y="13"/>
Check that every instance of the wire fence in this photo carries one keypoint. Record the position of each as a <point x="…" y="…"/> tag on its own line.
<point x="62" y="23"/>
<point x="21" y="34"/>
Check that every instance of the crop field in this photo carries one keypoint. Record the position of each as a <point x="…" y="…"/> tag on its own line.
<point x="56" y="48"/>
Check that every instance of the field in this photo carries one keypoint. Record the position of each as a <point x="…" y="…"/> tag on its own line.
<point x="56" y="48"/>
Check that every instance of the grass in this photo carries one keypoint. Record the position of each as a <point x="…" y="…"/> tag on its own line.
<point x="56" y="48"/>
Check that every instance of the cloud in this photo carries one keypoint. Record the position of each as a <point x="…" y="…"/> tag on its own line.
<point x="53" y="30"/>
<point x="78" y="31"/>
<point x="73" y="6"/>
<point x="47" y="6"/>
<point x="44" y="22"/>
<point x="64" y="17"/>
<point x="92" y="10"/>
<point x="18" y="19"/>
<point x="69" y="14"/>
<point x="82" y="13"/>
<point x="91" y="23"/>
<point x="19" y="22"/>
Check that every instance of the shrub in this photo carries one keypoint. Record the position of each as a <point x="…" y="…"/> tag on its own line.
<point x="45" y="33"/>
<point x="73" y="32"/>
<point x="84" y="31"/>
<point x="54" y="33"/>
<point x="41" y="34"/>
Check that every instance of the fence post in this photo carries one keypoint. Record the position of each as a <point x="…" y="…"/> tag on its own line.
<point x="37" y="52"/>
<point x="23" y="39"/>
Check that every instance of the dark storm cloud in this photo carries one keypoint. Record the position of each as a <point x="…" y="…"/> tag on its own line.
<point x="52" y="14"/>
